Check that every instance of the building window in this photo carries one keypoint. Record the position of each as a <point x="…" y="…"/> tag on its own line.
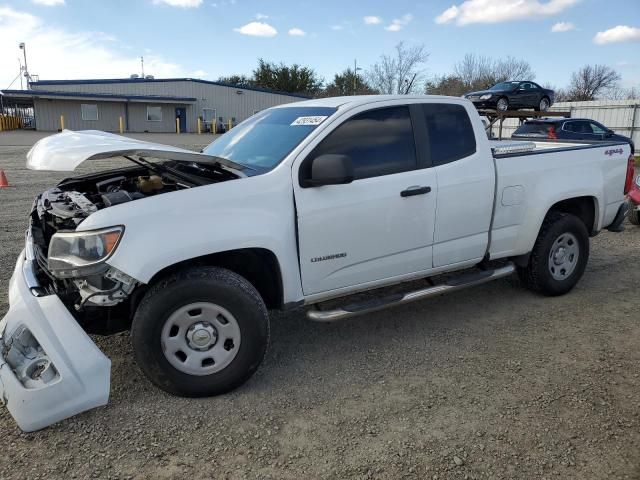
<point x="208" y="115"/>
<point x="154" y="114"/>
<point x="89" y="111"/>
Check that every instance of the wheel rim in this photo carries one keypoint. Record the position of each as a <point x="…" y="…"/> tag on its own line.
<point x="200" y="338"/>
<point x="563" y="256"/>
<point x="544" y="104"/>
<point x="502" y="104"/>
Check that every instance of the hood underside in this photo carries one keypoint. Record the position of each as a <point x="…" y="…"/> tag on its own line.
<point x="64" y="151"/>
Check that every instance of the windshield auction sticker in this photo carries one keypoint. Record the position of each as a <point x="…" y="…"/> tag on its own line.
<point x="314" y="120"/>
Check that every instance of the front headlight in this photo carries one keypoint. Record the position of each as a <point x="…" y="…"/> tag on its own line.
<point x="486" y="96"/>
<point x="73" y="254"/>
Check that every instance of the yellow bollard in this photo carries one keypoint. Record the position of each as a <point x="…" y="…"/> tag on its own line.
<point x="229" y="125"/>
<point x="199" y="126"/>
<point x="61" y="122"/>
<point x="121" y="121"/>
<point x="214" y="126"/>
<point x="178" y="125"/>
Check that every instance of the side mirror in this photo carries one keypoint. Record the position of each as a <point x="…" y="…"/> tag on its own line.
<point x="608" y="134"/>
<point x="330" y="170"/>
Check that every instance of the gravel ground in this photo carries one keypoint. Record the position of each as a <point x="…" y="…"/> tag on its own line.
<point x="492" y="382"/>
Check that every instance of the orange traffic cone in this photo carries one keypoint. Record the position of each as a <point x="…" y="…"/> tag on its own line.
<point x="4" y="183"/>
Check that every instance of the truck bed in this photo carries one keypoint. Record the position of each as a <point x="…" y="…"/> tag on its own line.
<point x="530" y="176"/>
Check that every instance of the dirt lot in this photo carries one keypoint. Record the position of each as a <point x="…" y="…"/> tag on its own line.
<point x="493" y="382"/>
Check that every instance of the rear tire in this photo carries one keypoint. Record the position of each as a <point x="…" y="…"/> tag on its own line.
<point x="203" y="331"/>
<point x="559" y="256"/>
<point x="544" y="105"/>
<point x="634" y="215"/>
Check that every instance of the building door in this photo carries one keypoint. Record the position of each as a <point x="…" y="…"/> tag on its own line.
<point x="181" y="114"/>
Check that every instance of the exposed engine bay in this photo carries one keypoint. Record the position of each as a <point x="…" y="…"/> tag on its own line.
<point x="64" y="207"/>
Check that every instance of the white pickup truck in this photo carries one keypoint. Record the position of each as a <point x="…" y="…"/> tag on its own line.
<point x="299" y="204"/>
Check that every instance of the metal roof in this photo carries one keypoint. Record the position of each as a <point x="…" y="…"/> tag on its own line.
<point x="156" y="80"/>
<point x="109" y="97"/>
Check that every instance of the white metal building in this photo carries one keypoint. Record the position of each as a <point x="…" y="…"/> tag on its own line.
<point x="143" y="104"/>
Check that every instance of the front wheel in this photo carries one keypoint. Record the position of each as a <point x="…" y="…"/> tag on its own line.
<point x="503" y="104"/>
<point x="200" y="332"/>
<point x="559" y="256"/>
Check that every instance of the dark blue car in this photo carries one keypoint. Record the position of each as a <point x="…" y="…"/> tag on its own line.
<point x="577" y="129"/>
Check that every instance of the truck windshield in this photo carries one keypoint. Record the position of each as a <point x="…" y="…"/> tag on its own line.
<point x="264" y="140"/>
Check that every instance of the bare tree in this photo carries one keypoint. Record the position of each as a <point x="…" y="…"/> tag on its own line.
<point x="592" y="81"/>
<point x="621" y="93"/>
<point x="478" y="72"/>
<point x="401" y="72"/>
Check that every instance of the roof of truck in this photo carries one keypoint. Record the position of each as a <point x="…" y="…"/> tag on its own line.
<point x="356" y="100"/>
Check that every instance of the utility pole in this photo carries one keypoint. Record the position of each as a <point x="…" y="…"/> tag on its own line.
<point x="355" y="75"/>
<point x="20" y="63"/>
<point x="23" y="47"/>
<point x="142" y="64"/>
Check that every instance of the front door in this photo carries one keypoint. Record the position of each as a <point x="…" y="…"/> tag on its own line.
<point x="380" y="225"/>
<point x="181" y="115"/>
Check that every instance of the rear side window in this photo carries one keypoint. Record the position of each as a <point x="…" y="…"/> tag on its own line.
<point x="451" y="135"/>
<point x="534" y="129"/>
<point x="379" y="142"/>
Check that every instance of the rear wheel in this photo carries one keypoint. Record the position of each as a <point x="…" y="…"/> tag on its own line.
<point x="544" y="105"/>
<point x="559" y="256"/>
<point x="502" y="104"/>
<point x="203" y="331"/>
<point x="634" y="215"/>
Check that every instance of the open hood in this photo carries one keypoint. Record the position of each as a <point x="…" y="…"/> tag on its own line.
<point x="64" y="151"/>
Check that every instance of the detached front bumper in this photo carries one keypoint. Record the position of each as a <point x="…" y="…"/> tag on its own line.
<point x="49" y="367"/>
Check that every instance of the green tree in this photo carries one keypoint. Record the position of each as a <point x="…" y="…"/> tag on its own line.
<point x="286" y="78"/>
<point x="347" y="83"/>
<point x="237" y="80"/>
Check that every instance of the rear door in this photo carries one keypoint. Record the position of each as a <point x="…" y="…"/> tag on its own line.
<point x="465" y="176"/>
<point x="367" y="230"/>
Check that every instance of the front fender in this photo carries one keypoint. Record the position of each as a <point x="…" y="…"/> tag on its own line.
<point x="160" y="231"/>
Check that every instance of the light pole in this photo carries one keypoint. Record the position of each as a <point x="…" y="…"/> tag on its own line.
<point x="23" y="47"/>
<point x="355" y="75"/>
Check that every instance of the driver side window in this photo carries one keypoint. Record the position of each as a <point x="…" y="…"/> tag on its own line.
<point x="378" y="142"/>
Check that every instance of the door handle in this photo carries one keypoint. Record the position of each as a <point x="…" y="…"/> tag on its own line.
<point x="411" y="191"/>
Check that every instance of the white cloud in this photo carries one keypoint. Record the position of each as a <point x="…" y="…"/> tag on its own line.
<point x="60" y="54"/>
<point x="257" y="29"/>
<point x="49" y="3"/>
<point x="496" y="11"/>
<point x="261" y="16"/>
<point x="619" y="34"/>
<point x="562" y="27"/>
<point x="398" y="24"/>
<point x="179" y="3"/>
<point x="336" y="27"/>
<point x="297" y="32"/>
<point x="372" y="20"/>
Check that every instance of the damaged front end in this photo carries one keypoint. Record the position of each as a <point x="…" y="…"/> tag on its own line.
<point x="63" y="286"/>
<point x="49" y="367"/>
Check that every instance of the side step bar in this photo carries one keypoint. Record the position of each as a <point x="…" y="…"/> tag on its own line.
<point x="451" y="285"/>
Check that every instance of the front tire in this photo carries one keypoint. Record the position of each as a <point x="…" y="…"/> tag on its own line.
<point x="559" y="256"/>
<point x="503" y="104"/>
<point x="203" y="331"/>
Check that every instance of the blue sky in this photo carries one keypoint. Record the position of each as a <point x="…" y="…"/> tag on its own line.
<point x="210" y="38"/>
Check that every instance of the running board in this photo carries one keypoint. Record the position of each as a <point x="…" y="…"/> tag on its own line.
<point x="451" y="285"/>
